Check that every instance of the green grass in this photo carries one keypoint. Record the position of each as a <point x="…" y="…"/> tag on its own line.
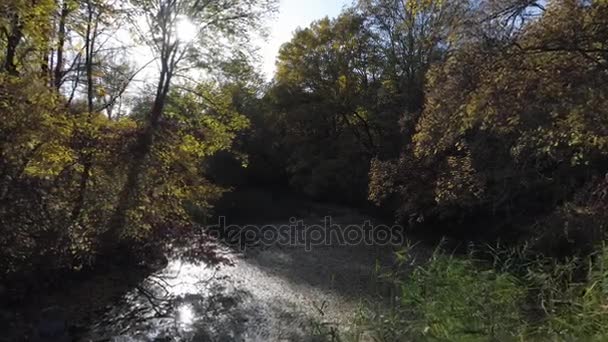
<point x="491" y="294"/>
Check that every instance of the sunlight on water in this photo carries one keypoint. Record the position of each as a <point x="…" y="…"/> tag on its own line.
<point x="186" y="315"/>
<point x="267" y="294"/>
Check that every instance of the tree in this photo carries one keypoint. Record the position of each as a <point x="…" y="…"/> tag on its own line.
<point x="324" y="94"/>
<point x="70" y="165"/>
<point x="25" y="28"/>
<point x="227" y="20"/>
<point x="512" y="129"/>
<point x="413" y="34"/>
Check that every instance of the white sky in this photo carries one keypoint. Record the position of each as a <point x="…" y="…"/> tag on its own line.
<point x="294" y="14"/>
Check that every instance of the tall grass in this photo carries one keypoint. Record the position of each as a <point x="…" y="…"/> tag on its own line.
<point x="492" y="294"/>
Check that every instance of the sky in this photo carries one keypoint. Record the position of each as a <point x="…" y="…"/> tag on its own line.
<point x="294" y="14"/>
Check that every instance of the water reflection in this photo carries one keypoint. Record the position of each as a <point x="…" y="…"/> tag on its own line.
<point x="185" y="316"/>
<point x="199" y="302"/>
<point x="269" y="295"/>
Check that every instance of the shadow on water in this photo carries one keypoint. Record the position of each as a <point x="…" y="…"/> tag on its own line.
<point x="66" y="311"/>
<point x="349" y="271"/>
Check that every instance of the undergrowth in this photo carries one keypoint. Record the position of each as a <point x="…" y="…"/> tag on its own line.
<point x="489" y="294"/>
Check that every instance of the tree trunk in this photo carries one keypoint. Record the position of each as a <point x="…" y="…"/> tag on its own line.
<point x="127" y="197"/>
<point x="129" y="193"/>
<point x="89" y="45"/>
<point x="87" y="158"/>
<point x="14" y="39"/>
<point x="58" y="72"/>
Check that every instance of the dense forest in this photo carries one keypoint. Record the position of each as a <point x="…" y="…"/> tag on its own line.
<point x="483" y="121"/>
<point x="459" y="117"/>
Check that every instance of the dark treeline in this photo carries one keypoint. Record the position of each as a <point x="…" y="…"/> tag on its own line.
<point x="479" y="118"/>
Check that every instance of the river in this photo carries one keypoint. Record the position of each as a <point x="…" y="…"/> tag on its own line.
<point x="276" y="292"/>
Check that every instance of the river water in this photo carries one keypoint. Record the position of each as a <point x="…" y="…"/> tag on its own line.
<point x="262" y="293"/>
